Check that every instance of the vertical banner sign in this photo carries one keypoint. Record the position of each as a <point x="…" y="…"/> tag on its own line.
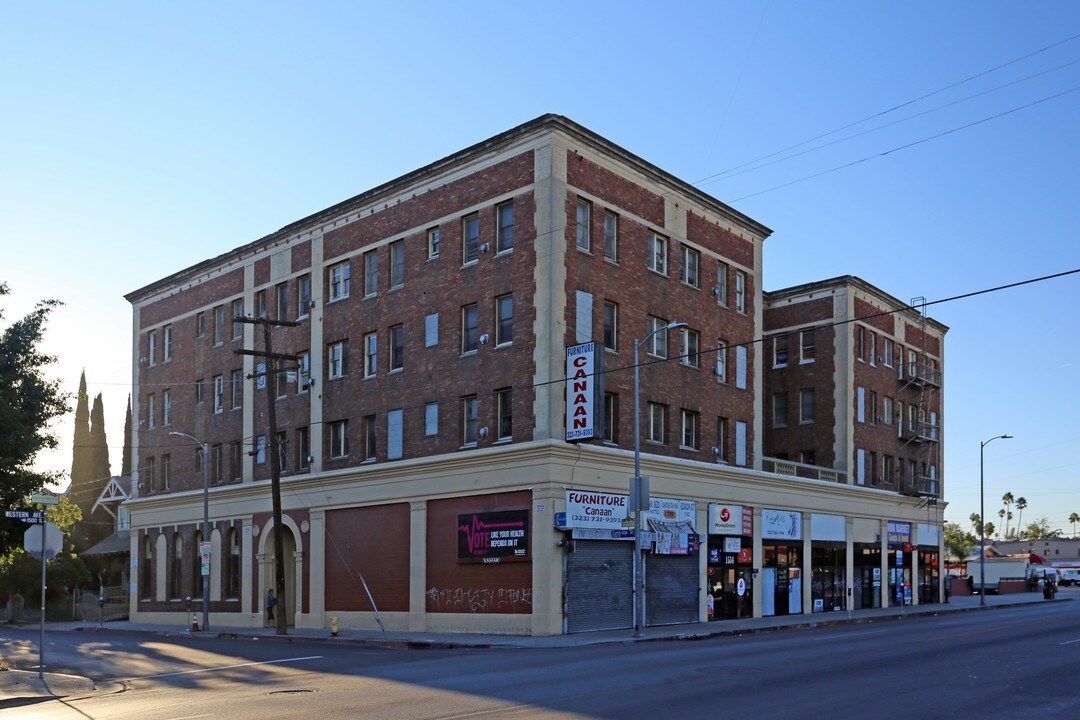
<point x="580" y="392"/>
<point x="493" y="537"/>
<point x="204" y="557"/>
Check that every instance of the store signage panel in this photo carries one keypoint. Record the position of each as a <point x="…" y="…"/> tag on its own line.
<point x="594" y="510"/>
<point x="493" y="536"/>
<point x="667" y="510"/>
<point x="899" y="532"/>
<point x="781" y="525"/>
<point x="732" y="544"/>
<point x="731" y="520"/>
<point x="581" y="392"/>
<point x="828" y="527"/>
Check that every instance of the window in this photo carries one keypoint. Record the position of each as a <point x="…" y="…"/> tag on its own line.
<point x="397" y="347"/>
<point x="281" y="300"/>
<point x="237" y="389"/>
<point x="219" y="393"/>
<point x="740" y="291"/>
<point x="260" y="449"/>
<point x="741" y="365"/>
<point x="657" y="346"/>
<point x="611" y="326"/>
<point x="237" y="327"/>
<point x="691" y="259"/>
<point x="721" y="439"/>
<point x="611" y="417"/>
<point x="219" y="324"/>
<point x="232" y="565"/>
<point x="807" y="346"/>
<point x="807" y="457"/>
<point x="304" y="372"/>
<point x="470" y="239"/>
<point x="150" y="466"/>
<point x="237" y="452"/>
<point x="281" y="447"/>
<point x="177" y="567"/>
<point x="217" y="473"/>
<point x="281" y="380"/>
<point x="200" y="324"/>
<point x="887" y="468"/>
<point x="166" y="407"/>
<point x="260" y="304"/>
<point x="504" y="422"/>
<point x="339" y="281"/>
<point x="337" y="360"/>
<point x="690" y="430"/>
<point x="656" y="422"/>
<point x="887" y="351"/>
<point x="887" y="410"/>
<point x="145" y="589"/>
<point x="504" y="236"/>
<point x="166" y="471"/>
<point x="721" y="360"/>
<point x="339" y="439"/>
<point x="431" y="330"/>
<point x="860" y="405"/>
<point x="433" y="242"/>
<point x="167" y="343"/>
<point x="303" y="296"/>
<point x="504" y="324"/>
<point x="741" y="454"/>
<point x="780" y="351"/>
<point x="151" y="411"/>
<point x="469" y="335"/>
<point x="779" y="409"/>
<point x="431" y="419"/>
<point x="721" y="283"/>
<point x="370" y="437"/>
<point x="657" y="253"/>
<point x="303" y="448"/>
<point x="397" y="264"/>
<point x="468" y="420"/>
<point x="807" y="402"/>
<point x="371" y="273"/>
<point x="873" y="408"/>
<point x="689" y="347"/>
<point x="611" y="236"/>
<point x="394" y="435"/>
<point x="873" y="348"/>
<point x="153" y="348"/>
<point x="371" y="355"/>
<point x="860" y="343"/>
<point x="584" y="215"/>
<point x="199" y="391"/>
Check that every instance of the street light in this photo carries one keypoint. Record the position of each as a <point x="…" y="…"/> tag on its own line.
<point x="635" y="485"/>
<point x="982" y="521"/>
<point x="204" y="448"/>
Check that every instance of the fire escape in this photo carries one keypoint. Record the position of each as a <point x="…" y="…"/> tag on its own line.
<point x="920" y="425"/>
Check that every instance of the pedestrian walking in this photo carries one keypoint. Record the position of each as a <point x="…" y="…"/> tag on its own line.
<point x="271" y="601"/>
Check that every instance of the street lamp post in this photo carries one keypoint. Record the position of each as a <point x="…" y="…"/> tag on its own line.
<point x="635" y="485"/>
<point x="982" y="520"/>
<point x="204" y="448"/>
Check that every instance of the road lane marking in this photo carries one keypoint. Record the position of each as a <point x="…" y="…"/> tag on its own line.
<point x="851" y="634"/>
<point x="1069" y="642"/>
<point x="225" y="667"/>
<point x="192" y="717"/>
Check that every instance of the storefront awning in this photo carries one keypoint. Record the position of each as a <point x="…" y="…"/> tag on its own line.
<point x="114" y="544"/>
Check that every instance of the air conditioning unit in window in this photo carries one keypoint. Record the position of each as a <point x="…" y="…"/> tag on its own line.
<point x="483" y="247"/>
<point x="484" y="339"/>
<point x="716" y="292"/>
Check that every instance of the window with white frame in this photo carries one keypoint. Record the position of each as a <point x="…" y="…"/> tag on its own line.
<point x="657" y="249"/>
<point x="721" y="439"/>
<point x="371" y="354"/>
<point x="397" y="264"/>
<point x="690" y="347"/>
<point x="469" y="335"/>
<point x="873" y="348"/>
<point x="339" y="439"/>
<point x="151" y="411"/>
<point x="339" y="281"/>
<point x="434" y="241"/>
<point x="657" y="342"/>
<point x="860" y="343"/>
<point x="779" y="409"/>
<point x="887" y="410"/>
<point x="873" y="408"/>
<point x="281" y="299"/>
<point x="807" y="405"/>
<point x="504" y="421"/>
<point x="504" y="232"/>
<point x="780" y="351"/>
<point x="741" y="366"/>
<point x="887" y="351"/>
<point x="431" y="419"/>
<point x="690" y="422"/>
<point x="611" y="325"/>
<point x="337" y="360"/>
<point x="200" y="324"/>
<point x="199" y="391"/>
<point x="260" y="303"/>
<point x="303" y="296"/>
<point x="166" y="472"/>
<point x="657" y="426"/>
<point x="611" y="417"/>
<point x="166" y="345"/>
<point x="166" y="407"/>
<point x="741" y="451"/>
<point x="237" y="389"/>
<point x="611" y="236"/>
<point x="237" y="312"/>
<point x="504" y="319"/>
<point x="219" y="324"/>
<point x="470" y="239"/>
<point x="394" y="435"/>
<point x="691" y="259"/>
<point x="260" y="449"/>
<point x="371" y="273"/>
<point x="721" y="282"/>
<point x="468" y="420"/>
<point x="370" y="438"/>
<point x="721" y="360"/>
<point x="219" y="393"/>
<point x="303" y="380"/>
<point x="584" y="216"/>
<point x="397" y="347"/>
<point x="152" y="351"/>
<point x="740" y="291"/>
<point x="807" y="345"/>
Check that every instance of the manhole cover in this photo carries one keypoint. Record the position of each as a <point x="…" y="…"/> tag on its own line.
<point x="291" y="692"/>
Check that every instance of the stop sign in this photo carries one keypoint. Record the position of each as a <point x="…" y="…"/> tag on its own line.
<point x="32" y="540"/>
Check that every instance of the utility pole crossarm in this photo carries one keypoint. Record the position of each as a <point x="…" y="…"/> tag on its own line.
<point x="269" y="356"/>
<point x="266" y="321"/>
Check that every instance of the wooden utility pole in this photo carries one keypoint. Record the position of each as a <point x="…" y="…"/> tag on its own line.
<point x="271" y="371"/>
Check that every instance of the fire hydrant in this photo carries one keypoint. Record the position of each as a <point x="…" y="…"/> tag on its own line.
<point x="333" y="625"/>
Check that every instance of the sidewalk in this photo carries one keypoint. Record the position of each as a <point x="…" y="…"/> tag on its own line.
<point x="23" y="684"/>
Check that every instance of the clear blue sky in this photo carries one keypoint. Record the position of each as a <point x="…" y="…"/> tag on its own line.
<point x="137" y="139"/>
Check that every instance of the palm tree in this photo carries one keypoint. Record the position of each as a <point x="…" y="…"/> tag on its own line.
<point x="1074" y="518"/>
<point x="976" y="522"/>
<point x="1007" y="500"/>
<point x="1021" y="503"/>
<point x="989" y="529"/>
<point x="1001" y="516"/>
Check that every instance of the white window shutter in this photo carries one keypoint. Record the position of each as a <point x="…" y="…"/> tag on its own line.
<point x="861" y="406"/>
<point x="431" y="330"/>
<point x="740" y="443"/>
<point x="860" y="458"/>
<point x="393" y="427"/>
<point x="431" y="419"/>
<point x="584" y="317"/>
<point x="740" y="367"/>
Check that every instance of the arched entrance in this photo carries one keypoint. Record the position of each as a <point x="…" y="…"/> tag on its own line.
<point x="288" y="604"/>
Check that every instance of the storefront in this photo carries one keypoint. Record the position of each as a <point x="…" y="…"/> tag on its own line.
<point x="866" y="563"/>
<point x="672" y="570"/>
<point x="828" y="562"/>
<point x="929" y="567"/>
<point x="781" y="566"/>
<point x="730" y="563"/>
<point x="900" y="551"/>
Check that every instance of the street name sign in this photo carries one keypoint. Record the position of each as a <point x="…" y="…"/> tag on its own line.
<point x="27" y="516"/>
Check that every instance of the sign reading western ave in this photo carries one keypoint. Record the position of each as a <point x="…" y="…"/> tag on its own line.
<point x="580" y="391"/>
<point x="493" y="536"/>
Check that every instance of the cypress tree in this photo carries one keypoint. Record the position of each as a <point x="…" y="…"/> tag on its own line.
<point x="81" y="456"/>
<point x="102" y="469"/>
<point x="125" y="462"/>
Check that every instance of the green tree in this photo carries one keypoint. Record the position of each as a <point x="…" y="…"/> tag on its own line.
<point x="1021" y="503"/>
<point x="1074" y="518"/>
<point x="990" y="529"/>
<point x="125" y="461"/>
<point x="958" y="542"/>
<point x="19" y="572"/>
<point x="81" y="456"/>
<point x="1001" y="517"/>
<point x="29" y="402"/>
<point x="976" y="522"/>
<point x="99" y="445"/>
<point x="1007" y="500"/>
<point x="1041" y="529"/>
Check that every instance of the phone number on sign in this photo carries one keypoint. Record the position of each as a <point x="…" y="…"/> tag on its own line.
<point x="607" y="520"/>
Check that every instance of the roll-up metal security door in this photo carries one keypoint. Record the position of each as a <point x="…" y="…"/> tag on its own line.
<point x="598" y="585"/>
<point x="671" y="589"/>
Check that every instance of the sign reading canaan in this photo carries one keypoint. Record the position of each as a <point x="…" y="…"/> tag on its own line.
<point x="581" y="392"/>
<point x="493" y="536"/>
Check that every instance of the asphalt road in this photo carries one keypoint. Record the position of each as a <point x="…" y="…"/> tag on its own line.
<point x="1015" y="663"/>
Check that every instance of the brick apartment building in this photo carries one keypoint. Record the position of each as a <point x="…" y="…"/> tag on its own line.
<point x="422" y="432"/>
